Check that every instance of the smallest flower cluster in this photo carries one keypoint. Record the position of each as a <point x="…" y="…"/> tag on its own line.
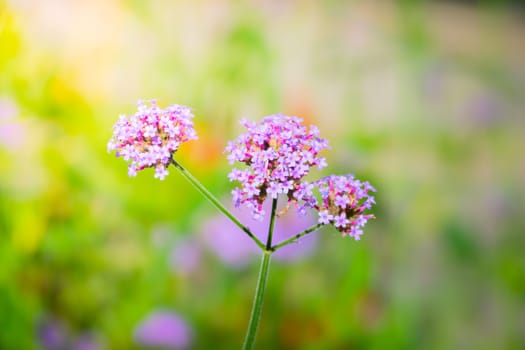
<point x="150" y="137"/>
<point x="344" y="199"/>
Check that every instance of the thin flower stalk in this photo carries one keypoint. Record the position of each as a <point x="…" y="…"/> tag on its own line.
<point x="209" y="196"/>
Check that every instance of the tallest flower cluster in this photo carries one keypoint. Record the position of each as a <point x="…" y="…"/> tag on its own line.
<point x="278" y="152"/>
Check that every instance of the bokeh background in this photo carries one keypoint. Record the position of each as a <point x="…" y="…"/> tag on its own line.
<point x="426" y="100"/>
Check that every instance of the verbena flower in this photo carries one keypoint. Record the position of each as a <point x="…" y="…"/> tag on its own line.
<point x="149" y="138"/>
<point x="343" y="201"/>
<point x="278" y="152"/>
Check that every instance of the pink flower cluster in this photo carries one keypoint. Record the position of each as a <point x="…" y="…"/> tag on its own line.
<point x="150" y="137"/>
<point x="278" y="152"/>
<point x="343" y="200"/>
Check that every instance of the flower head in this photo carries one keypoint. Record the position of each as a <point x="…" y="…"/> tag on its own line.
<point x="343" y="201"/>
<point x="278" y="152"/>
<point x="149" y="138"/>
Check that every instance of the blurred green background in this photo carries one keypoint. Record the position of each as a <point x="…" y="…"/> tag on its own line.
<point x="426" y="100"/>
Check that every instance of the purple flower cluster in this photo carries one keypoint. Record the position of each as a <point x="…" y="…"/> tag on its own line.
<point x="279" y="152"/>
<point x="343" y="201"/>
<point x="150" y="137"/>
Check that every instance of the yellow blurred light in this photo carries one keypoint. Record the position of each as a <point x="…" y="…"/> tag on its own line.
<point x="28" y="231"/>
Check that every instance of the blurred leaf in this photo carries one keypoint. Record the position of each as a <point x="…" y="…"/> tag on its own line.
<point x="459" y="242"/>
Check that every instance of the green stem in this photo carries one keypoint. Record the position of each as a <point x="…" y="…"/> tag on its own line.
<point x="261" y="285"/>
<point x="272" y="225"/>
<point x="215" y="202"/>
<point x="294" y="238"/>
<point x="257" y="302"/>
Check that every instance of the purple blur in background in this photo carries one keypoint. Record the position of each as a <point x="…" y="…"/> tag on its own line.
<point x="185" y="256"/>
<point x="86" y="341"/>
<point x="233" y="247"/>
<point x="52" y="334"/>
<point x="163" y="329"/>
<point x="12" y="129"/>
